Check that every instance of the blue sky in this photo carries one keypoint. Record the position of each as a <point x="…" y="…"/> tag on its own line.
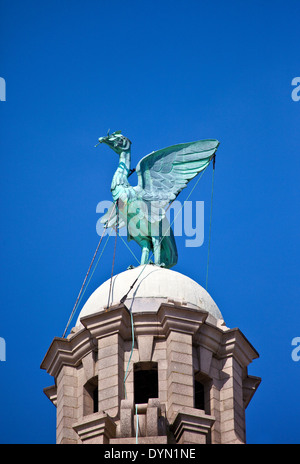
<point x="163" y="72"/>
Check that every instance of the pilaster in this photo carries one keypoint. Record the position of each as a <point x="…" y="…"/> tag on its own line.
<point x="67" y="405"/>
<point x="180" y="379"/>
<point x="110" y="373"/>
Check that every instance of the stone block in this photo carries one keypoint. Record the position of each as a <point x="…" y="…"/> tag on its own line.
<point x="159" y="355"/>
<point x="180" y="368"/>
<point x="180" y="400"/>
<point x="179" y="357"/>
<point x="191" y="426"/>
<point x="96" y="428"/>
<point x="110" y="405"/>
<point x="205" y="360"/>
<point x="152" y="418"/>
<point x="110" y="340"/>
<point x="163" y="440"/>
<point x="109" y="371"/>
<point x="145" y="347"/>
<point x="163" y="396"/>
<point x="179" y="346"/>
<point x="126" y="418"/>
<point x="177" y="377"/>
<point x="110" y="361"/>
<point x="192" y="438"/>
<point x="182" y="389"/>
<point x="108" y="392"/>
<point x="108" y="350"/>
<point x="109" y="382"/>
<point x="88" y="363"/>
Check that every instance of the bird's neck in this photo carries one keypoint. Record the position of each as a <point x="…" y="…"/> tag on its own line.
<point x="124" y="162"/>
<point x="122" y="172"/>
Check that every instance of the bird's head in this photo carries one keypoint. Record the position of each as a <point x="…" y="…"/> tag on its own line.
<point x="116" y="141"/>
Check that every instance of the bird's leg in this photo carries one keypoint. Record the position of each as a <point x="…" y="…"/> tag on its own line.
<point x="157" y="250"/>
<point x="145" y="252"/>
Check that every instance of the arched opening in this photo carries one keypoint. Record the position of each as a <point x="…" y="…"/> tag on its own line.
<point x="145" y="382"/>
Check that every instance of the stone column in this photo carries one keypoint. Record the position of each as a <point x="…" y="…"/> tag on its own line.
<point x="232" y="406"/>
<point x="67" y="405"/>
<point x="215" y="405"/>
<point x="179" y="325"/>
<point x="110" y="374"/>
<point x="180" y="378"/>
<point x="235" y="353"/>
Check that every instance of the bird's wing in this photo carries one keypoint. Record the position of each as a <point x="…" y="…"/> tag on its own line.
<point x="163" y="174"/>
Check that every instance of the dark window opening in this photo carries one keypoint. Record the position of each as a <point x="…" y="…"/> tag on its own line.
<point x="95" y="399"/>
<point x="145" y="382"/>
<point x="202" y="386"/>
<point x="90" y="396"/>
<point x="199" y="395"/>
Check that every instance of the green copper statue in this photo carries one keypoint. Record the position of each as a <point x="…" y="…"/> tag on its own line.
<point x="161" y="176"/>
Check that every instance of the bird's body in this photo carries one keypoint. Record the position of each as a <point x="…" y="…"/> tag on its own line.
<point x="161" y="177"/>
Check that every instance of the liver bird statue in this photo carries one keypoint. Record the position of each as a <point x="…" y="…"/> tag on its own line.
<point x="162" y="175"/>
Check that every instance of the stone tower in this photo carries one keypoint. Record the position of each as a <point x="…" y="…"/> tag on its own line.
<point x="161" y="368"/>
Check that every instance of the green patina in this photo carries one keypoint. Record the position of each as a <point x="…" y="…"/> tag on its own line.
<point x="162" y="175"/>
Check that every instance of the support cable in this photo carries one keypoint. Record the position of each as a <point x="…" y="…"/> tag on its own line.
<point x="123" y="299"/>
<point x="210" y="219"/>
<point x="85" y="279"/>
<point x="128" y="248"/>
<point x="114" y="255"/>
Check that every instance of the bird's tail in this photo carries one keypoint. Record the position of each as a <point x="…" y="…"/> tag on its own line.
<point x="169" y="255"/>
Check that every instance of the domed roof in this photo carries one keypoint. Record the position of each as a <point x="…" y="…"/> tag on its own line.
<point x="155" y="285"/>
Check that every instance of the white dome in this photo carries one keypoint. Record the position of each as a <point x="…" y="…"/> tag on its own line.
<point x="155" y="285"/>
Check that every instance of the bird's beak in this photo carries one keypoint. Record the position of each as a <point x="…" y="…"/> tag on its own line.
<point x="100" y="140"/>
